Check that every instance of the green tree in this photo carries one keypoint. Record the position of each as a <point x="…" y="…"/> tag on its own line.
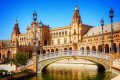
<point x="21" y="58"/>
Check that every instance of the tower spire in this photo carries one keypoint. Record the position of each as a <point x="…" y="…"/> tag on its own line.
<point x="76" y="4"/>
<point x="16" y="21"/>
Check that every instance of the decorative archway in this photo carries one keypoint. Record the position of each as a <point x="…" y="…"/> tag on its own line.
<point x="52" y="51"/>
<point x="65" y="48"/>
<point x="82" y="48"/>
<point x="114" y="47"/>
<point x="44" y="51"/>
<point x="100" y="48"/>
<point x="56" y="49"/>
<point x="70" y="48"/>
<point x="8" y="55"/>
<point x="48" y="50"/>
<point x="106" y="48"/>
<point x="93" y="48"/>
<point x="88" y="48"/>
<point x="38" y="52"/>
<point x="45" y="42"/>
<point x="30" y="54"/>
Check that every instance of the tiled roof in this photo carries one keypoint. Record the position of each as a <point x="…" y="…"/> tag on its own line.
<point x="98" y="30"/>
<point x="5" y="42"/>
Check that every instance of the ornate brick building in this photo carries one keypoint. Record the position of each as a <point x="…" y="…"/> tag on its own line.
<point x="75" y="36"/>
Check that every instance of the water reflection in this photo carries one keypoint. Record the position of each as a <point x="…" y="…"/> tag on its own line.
<point x="72" y="72"/>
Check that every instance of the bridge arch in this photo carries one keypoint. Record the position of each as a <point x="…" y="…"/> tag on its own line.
<point x="103" y="65"/>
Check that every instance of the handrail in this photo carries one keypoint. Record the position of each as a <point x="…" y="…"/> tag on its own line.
<point x="70" y="53"/>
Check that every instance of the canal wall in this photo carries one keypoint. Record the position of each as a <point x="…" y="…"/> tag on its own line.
<point x="116" y="71"/>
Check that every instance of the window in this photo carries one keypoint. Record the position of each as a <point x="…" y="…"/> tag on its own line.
<point x="20" y="39"/>
<point x="62" y="33"/>
<point x="58" y="41"/>
<point x="52" y="42"/>
<point x="59" y="33"/>
<point x="65" y="40"/>
<point x="51" y="34"/>
<point x="74" y="31"/>
<point x="66" y="33"/>
<point x="54" y="34"/>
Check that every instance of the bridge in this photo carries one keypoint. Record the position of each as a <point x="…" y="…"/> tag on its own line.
<point x="102" y="60"/>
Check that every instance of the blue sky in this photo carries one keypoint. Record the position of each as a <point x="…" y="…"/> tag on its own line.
<point x="56" y="13"/>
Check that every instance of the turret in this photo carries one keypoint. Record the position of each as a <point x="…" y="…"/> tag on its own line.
<point x="15" y="33"/>
<point x="16" y="29"/>
<point x="76" y="16"/>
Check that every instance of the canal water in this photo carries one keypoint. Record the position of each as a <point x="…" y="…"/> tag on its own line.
<point x="65" y="71"/>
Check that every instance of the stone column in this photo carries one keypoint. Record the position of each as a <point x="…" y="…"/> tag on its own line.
<point x="117" y="47"/>
<point x="109" y="49"/>
<point x="104" y="49"/>
<point x="90" y="49"/>
<point x="34" y="61"/>
<point x="96" y="48"/>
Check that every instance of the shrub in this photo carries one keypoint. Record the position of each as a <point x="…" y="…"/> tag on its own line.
<point x="27" y="71"/>
<point x="2" y="70"/>
<point x="6" y="60"/>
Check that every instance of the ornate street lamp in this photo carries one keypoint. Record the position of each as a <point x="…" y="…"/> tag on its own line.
<point x="34" y="25"/>
<point x="35" y="16"/>
<point x="40" y="26"/>
<point x="102" y="24"/>
<point x="111" y="16"/>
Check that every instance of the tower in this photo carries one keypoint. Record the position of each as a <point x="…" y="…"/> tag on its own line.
<point x="15" y="33"/>
<point x="76" y="16"/>
<point x="76" y="22"/>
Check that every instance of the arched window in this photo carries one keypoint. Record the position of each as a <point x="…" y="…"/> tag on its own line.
<point x="74" y="31"/>
<point x="58" y="41"/>
<point x="51" y="34"/>
<point x="44" y="51"/>
<point x="20" y="39"/>
<point x="66" y="33"/>
<point x="45" y="42"/>
<point x="65" y="40"/>
<point x="54" y="34"/>
<point x="52" y="42"/>
<point x="59" y="33"/>
<point x="62" y="33"/>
